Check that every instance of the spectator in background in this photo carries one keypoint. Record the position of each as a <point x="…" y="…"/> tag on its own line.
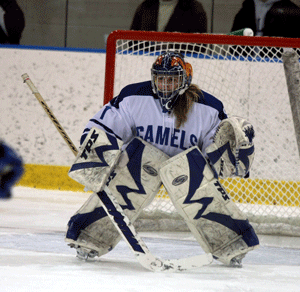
<point x="187" y="16"/>
<point x="171" y="16"/>
<point x="11" y="169"/>
<point x="274" y="18"/>
<point x="12" y="22"/>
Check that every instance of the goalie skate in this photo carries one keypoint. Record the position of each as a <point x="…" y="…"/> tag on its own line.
<point x="84" y="253"/>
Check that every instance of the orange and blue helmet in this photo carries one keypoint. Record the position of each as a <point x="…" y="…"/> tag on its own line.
<point x="171" y="77"/>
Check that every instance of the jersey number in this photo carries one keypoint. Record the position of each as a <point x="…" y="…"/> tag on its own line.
<point x="104" y="112"/>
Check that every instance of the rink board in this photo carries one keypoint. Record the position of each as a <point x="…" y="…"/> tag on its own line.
<point x="253" y="191"/>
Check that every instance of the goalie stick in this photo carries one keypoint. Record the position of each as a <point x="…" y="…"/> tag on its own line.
<point x="50" y="114"/>
<point x="119" y="218"/>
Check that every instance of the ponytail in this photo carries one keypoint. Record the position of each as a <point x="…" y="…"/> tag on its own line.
<point x="184" y="104"/>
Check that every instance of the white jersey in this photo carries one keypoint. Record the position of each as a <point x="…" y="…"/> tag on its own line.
<point x="136" y="112"/>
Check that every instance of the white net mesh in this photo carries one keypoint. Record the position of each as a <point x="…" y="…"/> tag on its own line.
<point x="250" y="81"/>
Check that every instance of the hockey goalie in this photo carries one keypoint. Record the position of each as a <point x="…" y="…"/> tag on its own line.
<point x="164" y="131"/>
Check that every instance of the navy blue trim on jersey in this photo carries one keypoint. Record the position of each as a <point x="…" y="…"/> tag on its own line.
<point x="209" y="100"/>
<point x="108" y="130"/>
<point x="105" y="128"/>
<point x="141" y="89"/>
<point x="145" y="89"/>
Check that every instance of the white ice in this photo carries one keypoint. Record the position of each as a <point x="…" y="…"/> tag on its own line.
<point x="34" y="256"/>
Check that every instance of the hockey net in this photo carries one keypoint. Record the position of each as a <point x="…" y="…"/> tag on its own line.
<point x="247" y="74"/>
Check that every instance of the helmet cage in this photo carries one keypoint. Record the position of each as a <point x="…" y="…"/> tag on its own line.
<point x="168" y="84"/>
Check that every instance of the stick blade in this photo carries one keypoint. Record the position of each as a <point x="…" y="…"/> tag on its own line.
<point x="154" y="264"/>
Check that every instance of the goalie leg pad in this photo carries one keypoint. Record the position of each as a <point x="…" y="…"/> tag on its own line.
<point x="215" y="221"/>
<point x="134" y="182"/>
<point x="98" y="155"/>
<point x="91" y="229"/>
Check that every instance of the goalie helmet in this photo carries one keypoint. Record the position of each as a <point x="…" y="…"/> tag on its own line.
<point x="171" y="77"/>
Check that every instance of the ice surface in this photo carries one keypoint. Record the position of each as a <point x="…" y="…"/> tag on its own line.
<point x="34" y="256"/>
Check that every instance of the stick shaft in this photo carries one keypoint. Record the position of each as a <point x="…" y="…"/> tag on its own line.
<point x="48" y="111"/>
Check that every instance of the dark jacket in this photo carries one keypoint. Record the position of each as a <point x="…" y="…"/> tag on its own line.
<point x="282" y="20"/>
<point x="14" y="22"/>
<point x="188" y="16"/>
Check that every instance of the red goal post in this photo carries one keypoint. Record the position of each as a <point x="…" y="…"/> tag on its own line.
<point x="249" y="76"/>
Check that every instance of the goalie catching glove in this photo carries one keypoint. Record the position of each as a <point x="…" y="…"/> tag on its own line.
<point x="232" y="151"/>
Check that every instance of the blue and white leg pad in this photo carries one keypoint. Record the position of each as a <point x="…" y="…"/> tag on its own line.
<point x="97" y="157"/>
<point x="133" y="180"/>
<point x="215" y="221"/>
